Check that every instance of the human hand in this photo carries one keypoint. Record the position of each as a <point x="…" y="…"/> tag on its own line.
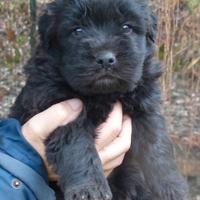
<point x="39" y="127"/>
<point x="111" y="144"/>
<point x="114" y="139"/>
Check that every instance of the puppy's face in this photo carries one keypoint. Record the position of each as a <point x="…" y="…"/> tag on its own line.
<point x="101" y="45"/>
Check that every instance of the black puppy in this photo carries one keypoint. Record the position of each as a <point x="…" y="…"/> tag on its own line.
<point x="101" y="52"/>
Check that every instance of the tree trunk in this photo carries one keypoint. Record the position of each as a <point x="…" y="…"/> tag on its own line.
<point x="33" y="14"/>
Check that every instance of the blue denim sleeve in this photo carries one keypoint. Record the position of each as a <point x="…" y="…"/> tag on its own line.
<point x="22" y="171"/>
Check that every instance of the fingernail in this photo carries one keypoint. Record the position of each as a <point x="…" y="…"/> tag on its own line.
<point x="75" y="104"/>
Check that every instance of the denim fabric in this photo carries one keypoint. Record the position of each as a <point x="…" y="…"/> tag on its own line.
<point x="19" y="161"/>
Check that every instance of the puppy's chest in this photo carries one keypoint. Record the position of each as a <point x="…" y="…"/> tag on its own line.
<point x="98" y="111"/>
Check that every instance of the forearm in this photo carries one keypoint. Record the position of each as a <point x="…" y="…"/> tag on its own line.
<point x="22" y="172"/>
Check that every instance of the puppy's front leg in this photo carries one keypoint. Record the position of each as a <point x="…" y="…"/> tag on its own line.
<point x="154" y="154"/>
<point x="72" y="153"/>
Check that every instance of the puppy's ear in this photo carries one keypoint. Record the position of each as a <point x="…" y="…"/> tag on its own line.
<point x="47" y="24"/>
<point x="152" y="28"/>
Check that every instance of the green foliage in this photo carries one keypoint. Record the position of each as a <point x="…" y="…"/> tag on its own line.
<point x="161" y="52"/>
<point x="192" y="4"/>
<point x="13" y="57"/>
<point x="14" y="32"/>
<point x="22" y="39"/>
<point x="178" y="65"/>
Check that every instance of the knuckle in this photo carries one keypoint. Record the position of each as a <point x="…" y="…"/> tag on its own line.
<point x="61" y="111"/>
<point x="30" y="127"/>
<point x="121" y="161"/>
<point x="116" y="129"/>
<point x="127" y="146"/>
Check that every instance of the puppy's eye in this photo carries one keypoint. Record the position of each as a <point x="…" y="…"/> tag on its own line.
<point x="127" y="28"/>
<point x="78" y="31"/>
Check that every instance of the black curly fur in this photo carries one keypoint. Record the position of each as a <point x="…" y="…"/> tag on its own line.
<point x="64" y="66"/>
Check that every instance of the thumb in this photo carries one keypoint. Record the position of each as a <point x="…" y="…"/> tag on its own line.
<point x="57" y="115"/>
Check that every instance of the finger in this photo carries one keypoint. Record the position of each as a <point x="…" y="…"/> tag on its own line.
<point x="109" y="166"/>
<point x="57" y="115"/>
<point x="107" y="173"/>
<point x="120" y="145"/>
<point x="109" y="130"/>
<point x="51" y="175"/>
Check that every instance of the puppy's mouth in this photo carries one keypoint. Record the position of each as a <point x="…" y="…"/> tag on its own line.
<point x="105" y="83"/>
<point x="104" y="78"/>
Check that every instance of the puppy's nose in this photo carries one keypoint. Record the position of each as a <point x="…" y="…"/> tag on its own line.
<point x="106" y="58"/>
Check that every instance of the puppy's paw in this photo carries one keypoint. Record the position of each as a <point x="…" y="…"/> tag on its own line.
<point x="88" y="192"/>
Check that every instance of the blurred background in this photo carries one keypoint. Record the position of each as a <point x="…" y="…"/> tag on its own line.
<point x="178" y="48"/>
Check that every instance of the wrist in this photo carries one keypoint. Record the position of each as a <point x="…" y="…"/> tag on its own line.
<point x="34" y="140"/>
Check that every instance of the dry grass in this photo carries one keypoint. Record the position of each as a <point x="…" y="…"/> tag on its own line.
<point x="179" y="41"/>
